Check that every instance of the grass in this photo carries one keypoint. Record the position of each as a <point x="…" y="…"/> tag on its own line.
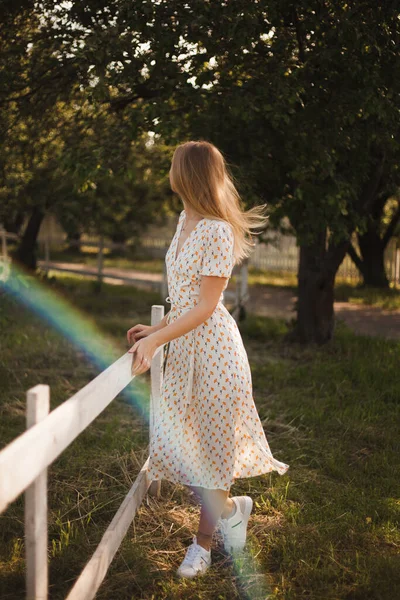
<point x="386" y="299"/>
<point x="327" y="530"/>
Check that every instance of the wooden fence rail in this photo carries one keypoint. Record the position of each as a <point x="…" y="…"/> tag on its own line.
<point x="24" y="463"/>
<point x="5" y="261"/>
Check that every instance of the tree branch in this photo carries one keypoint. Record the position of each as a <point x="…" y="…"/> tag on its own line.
<point x="370" y="189"/>
<point x="141" y="91"/>
<point x="391" y="227"/>
<point x="335" y="255"/>
<point x="351" y="251"/>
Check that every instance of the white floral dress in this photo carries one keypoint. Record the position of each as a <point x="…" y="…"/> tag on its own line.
<point x="208" y="432"/>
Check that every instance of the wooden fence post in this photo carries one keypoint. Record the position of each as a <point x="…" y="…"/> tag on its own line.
<point x="3" y="242"/>
<point x="46" y="253"/>
<point x="244" y="281"/>
<point x="100" y="261"/>
<point x="156" y="377"/>
<point x="3" y="256"/>
<point x="38" y="406"/>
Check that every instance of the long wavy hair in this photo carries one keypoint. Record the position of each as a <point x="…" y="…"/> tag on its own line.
<point x="200" y="176"/>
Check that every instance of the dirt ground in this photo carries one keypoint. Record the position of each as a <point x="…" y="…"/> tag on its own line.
<point x="369" y="320"/>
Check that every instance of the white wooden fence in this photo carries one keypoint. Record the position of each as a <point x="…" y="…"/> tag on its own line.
<point x="238" y="297"/>
<point x="97" y="271"/>
<point x="24" y="463"/>
<point x="282" y="254"/>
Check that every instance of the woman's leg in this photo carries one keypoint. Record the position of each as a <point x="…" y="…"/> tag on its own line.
<point x="214" y="504"/>
<point x="198" y="493"/>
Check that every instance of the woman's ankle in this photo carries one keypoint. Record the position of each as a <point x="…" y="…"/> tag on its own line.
<point x="204" y="540"/>
<point x="229" y="509"/>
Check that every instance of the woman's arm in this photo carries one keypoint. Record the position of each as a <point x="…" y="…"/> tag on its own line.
<point x="210" y="291"/>
<point x="162" y="323"/>
<point x="216" y="268"/>
<point x="211" y="288"/>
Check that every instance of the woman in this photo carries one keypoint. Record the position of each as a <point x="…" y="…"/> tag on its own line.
<point x="208" y="432"/>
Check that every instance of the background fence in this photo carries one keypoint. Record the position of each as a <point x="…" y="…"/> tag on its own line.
<point x="281" y="254"/>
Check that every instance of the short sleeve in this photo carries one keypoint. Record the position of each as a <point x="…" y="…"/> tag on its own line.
<point x="218" y="252"/>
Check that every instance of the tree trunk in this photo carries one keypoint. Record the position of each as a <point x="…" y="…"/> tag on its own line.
<point x="372" y="265"/>
<point x="316" y="282"/>
<point x="315" y="314"/>
<point x="119" y="237"/>
<point x="26" y="252"/>
<point x="372" y="244"/>
<point x="74" y="242"/>
<point x="14" y="224"/>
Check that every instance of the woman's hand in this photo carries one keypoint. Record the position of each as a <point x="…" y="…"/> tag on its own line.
<point x="140" y="331"/>
<point x="145" y="349"/>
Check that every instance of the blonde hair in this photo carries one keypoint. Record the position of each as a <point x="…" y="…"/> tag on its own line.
<point x="199" y="175"/>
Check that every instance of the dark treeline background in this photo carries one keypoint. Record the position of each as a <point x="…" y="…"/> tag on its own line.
<point x="302" y="97"/>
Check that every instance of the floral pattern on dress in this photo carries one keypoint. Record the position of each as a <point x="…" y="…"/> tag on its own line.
<point x="208" y="432"/>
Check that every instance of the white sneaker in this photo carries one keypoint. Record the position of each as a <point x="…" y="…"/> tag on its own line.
<point x="196" y="561"/>
<point x="234" y="528"/>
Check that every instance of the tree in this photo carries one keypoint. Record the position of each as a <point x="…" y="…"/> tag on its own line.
<point x="32" y="81"/>
<point x="304" y="98"/>
<point x="381" y="226"/>
<point x="64" y="150"/>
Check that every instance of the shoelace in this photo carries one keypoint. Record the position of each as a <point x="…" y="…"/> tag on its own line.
<point x="193" y="555"/>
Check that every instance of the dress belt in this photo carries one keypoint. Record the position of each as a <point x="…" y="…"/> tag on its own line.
<point x="192" y="333"/>
<point x="173" y="302"/>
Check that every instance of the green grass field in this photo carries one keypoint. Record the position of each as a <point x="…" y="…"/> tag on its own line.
<point x="327" y="530"/>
